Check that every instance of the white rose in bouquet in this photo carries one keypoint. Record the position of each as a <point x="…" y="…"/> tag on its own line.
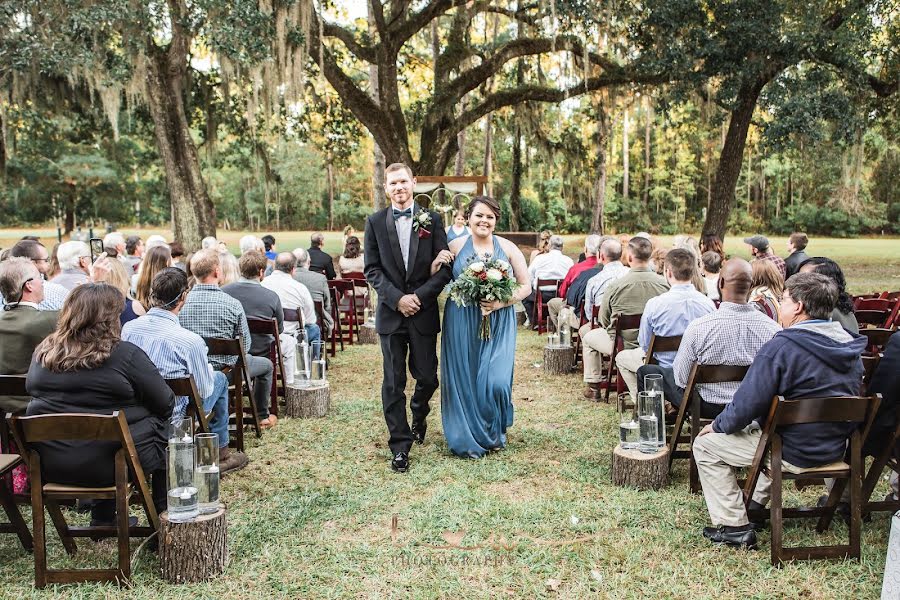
<point x="476" y="267"/>
<point x="494" y="274"/>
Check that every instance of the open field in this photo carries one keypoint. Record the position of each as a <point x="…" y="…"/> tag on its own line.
<point x="870" y="264"/>
<point x="310" y="517"/>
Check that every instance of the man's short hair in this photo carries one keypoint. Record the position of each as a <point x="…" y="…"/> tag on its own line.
<point x="817" y="293"/>
<point x="799" y="240"/>
<point x="113" y="239"/>
<point x="14" y="272"/>
<point x="302" y="257"/>
<point x="317" y="240"/>
<point x="285" y="262"/>
<point x="166" y="287"/>
<point x="131" y="244"/>
<point x="712" y="261"/>
<point x="398" y="167"/>
<point x="27" y="249"/>
<point x="591" y="244"/>
<point x="681" y="263"/>
<point x="611" y="248"/>
<point x="69" y="254"/>
<point x="209" y="242"/>
<point x="251" y="263"/>
<point x="268" y="241"/>
<point x="249" y="243"/>
<point x="640" y="248"/>
<point x="556" y="242"/>
<point x="204" y="263"/>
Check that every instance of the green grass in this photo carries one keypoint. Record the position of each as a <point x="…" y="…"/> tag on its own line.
<point x="311" y="515"/>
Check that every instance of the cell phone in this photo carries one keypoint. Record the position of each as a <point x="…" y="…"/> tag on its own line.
<point x="96" y="248"/>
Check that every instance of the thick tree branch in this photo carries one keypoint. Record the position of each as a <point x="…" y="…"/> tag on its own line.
<point x="363" y="52"/>
<point x="378" y="16"/>
<point x="402" y="31"/>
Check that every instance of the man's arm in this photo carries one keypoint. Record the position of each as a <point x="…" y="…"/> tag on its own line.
<point x="605" y="316"/>
<point x="198" y="366"/>
<point x="279" y="313"/>
<point x="429" y="290"/>
<point x="754" y="396"/>
<point x="374" y="270"/>
<point x="646" y="330"/>
<point x="685" y="357"/>
<point x="242" y="329"/>
<point x="329" y="266"/>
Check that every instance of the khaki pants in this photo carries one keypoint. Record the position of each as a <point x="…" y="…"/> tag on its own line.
<point x="628" y="362"/>
<point x="553" y="307"/>
<point x="595" y="343"/>
<point x="716" y="454"/>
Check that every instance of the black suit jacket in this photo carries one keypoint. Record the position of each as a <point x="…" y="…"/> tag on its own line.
<point x="386" y="273"/>
<point x="321" y="262"/>
<point x="793" y="261"/>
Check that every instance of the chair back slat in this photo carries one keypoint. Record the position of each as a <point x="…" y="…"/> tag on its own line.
<point x="720" y="373"/>
<point x="595" y="317"/>
<point x="823" y="410"/>
<point x="877" y="337"/>
<point x="545" y="283"/>
<point x="263" y="326"/>
<point x="224" y="347"/>
<point x="183" y="386"/>
<point x="659" y="343"/>
<point x="292" y="315"/>
<point x="70" y="427"/>
<point x="12" y="385"/>
<point x="626" y="322"/>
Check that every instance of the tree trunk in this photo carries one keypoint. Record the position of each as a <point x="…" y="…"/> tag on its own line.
<point x="195" y="215"/>
<point x="625" y="155"/>
<point x="378" y="165"/>
<point x="195" y="550"/>
<point x="515" y="190"/>
<point x="329" y="169"/>
<point x="730" y="160"/>
<point x="307" y="403"/>
<point x="597" y="225"/>
<point x="632" y="468"/>
<point x="460" y="153"/>
<point x="69" y="223"/>
<point x="648" y="116"/>
<point x="489" y="155"/>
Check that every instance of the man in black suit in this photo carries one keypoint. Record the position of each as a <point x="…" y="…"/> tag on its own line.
<point x="404" y="245"/>
<point x="319" y="260"/>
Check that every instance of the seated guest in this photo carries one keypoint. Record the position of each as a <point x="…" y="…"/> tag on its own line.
<point x="553" y="264"/>
<point x="116" y="241"/>
<point x="760" y="251"/>
<point x="177" y="250"/>
<point x="351" y="261"/>
<point x="666" y="315"/>
<point x="84" y="367"/>
<point x="611" y="269"/>
<point x="119" y="279"/>
<point x="731" y="335"/>
<point x="75" y="263"/>
<point x="711" y="263"/>
<point x="317" y="284"/>
<point x="293" y="295"/>
<point x="178" y="353"/>
<point x="54" y="294"/>
<point x="766" y="287"/>
<point x="710" y="242"/>
<point x="211" y="313"/>
<point x="262" y="303"/>
<point x="319" y="261"/>
<point x="134" y="251"/>
<point x="22" y="325"/>
<point x="627" y="295"/>
<point x="209" y="242"/>
<point x="250" y="243"/>
<point x="589" y="263"/>
<point x="796" y="255"/>
<point x="885" y="381"/>
<point x="843" y="312"/>
<point x="658" y="261"/>
<point x="812" y="357"/>
<point x="268" y="241"/>
<point x="543" y="246"/>
<point x="155" y="260"/>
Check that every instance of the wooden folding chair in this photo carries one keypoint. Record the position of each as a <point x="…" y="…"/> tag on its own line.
<point x="659" y="343"/>
<point x="320" y="317"/>
<point x="345" y="305"/>
<point x="361" y="297"/>
<point x="875" y="311"/>
<point x="16" y="523"/>
<point x="784" y="412"/>
<point x="700" y="374"/>
<point x="270" y="327"/>
<point x="621" y="323"/>
<point x="541" y="311"/>
<point x="237" y="389"/>
<point x="186" y="386"/>
<point x="10" y="385"/>
<point x="29" y="433"/>
<point x="877" y="338"/>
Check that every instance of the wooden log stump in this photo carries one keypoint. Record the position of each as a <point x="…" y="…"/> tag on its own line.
<point x="633" y="468"/>
<point x="306" y="403"/>
<point x="367" y="334"/>
<point x="559" y="359"/>
<point x="193" y="551"/>
<point x="521" y="317"/>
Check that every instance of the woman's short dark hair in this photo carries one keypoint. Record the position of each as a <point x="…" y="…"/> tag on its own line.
<point x="168" y="285"/>
<point x="487" y="201"/>
<point x="832" y="270"/>
<point x="352" y="249"/>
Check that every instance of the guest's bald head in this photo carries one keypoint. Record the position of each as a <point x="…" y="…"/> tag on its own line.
<point x="285" y="262"/>
<point x="734" y="280"/>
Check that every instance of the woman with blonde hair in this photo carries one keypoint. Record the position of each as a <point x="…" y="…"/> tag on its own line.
<point x="231" y="270"/>
<point x="155" y="260"/>
<point x="766" y="287"/>
<point x="118" y="278"/>
<point x="543" y="246"/>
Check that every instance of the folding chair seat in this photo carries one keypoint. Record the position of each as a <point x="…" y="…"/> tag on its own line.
<point x="238" y="389"/>
<point x="270" y="327"/>
<point x="30" y="431"/>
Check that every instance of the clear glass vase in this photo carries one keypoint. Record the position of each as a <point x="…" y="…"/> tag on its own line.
<point x="206" y="472"/>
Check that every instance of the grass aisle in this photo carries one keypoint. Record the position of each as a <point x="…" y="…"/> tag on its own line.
<point x="311" y="516"/>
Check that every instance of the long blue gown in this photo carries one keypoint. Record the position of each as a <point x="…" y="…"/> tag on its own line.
<point x="476" y="374"/>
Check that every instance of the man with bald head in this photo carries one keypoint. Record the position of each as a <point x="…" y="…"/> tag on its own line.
<point x="731" y="335"/>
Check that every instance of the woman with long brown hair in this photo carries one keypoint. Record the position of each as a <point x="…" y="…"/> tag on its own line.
<point x="85" y="367"/>
<point x="766" y="287"/>
<point x="351" y="261"/>
<point x="155" y="260"/>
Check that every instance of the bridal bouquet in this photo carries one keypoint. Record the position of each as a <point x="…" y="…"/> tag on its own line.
<point x="484" y="278"/>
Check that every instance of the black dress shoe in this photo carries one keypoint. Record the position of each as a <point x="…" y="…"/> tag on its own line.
<point x="758" y="524"/>
<point x="400" y="462"/>
<point x="418" y="431"/>
<point x="738" y="537"/>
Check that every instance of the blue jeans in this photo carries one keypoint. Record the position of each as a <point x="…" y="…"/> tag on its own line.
<point x="217" y="403"/>
<point x="313" y="333"/>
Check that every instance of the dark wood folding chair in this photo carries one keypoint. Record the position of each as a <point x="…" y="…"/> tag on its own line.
<point x="877" y="337"/>
<point x="344" y="306"/>
<point x="270" y="327"/>
<point x="31" y="431"/>
<point x="784" y="412"/>
<point x="237" y="389"/>
<point x="10" y="385"/>
<point x="660" y="343"/>
<point x="622" y="323"/>
<point x="16" y="523"/>
<point x="320" y="317"/>
<point x="700" y="374"/>
<point x="361" y="298"/>
<point x="186" y="386"/>
<point x="875" y="311"/>
<point x="541" y="311"/>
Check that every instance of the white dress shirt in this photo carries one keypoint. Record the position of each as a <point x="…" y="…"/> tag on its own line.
<point x="293" y="296"/>
<point x="404" y="231"/>
<point x="550" y="265"/>
<point x="596" y="285"/>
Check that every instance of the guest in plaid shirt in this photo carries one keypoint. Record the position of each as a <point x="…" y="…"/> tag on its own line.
<point x="760" y="250"/>
<point x="211" y="313"/>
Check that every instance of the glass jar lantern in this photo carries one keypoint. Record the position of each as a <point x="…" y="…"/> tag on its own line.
<point x="649" y="415"/>
<point x="628" y="426"/>
<point x="653" y="383"/>
<point x="565" y="335"/>
<point x="206" y="472"/>
<point x="181" y="493"/>
<point x="302" y="367"/>
<point x="317" y="362"/>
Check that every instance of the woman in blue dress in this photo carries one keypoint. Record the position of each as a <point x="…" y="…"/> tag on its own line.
<point x="476" y="374"/>
<point x="459" y="228"/>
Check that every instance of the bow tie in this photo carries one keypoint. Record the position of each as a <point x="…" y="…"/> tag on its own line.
<point x="403" y="213"/>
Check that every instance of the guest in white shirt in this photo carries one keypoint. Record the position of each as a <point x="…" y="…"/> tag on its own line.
<point x="711" y="262"/>
<point x="293" y="295"/>
<point x="550" y="265"/>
